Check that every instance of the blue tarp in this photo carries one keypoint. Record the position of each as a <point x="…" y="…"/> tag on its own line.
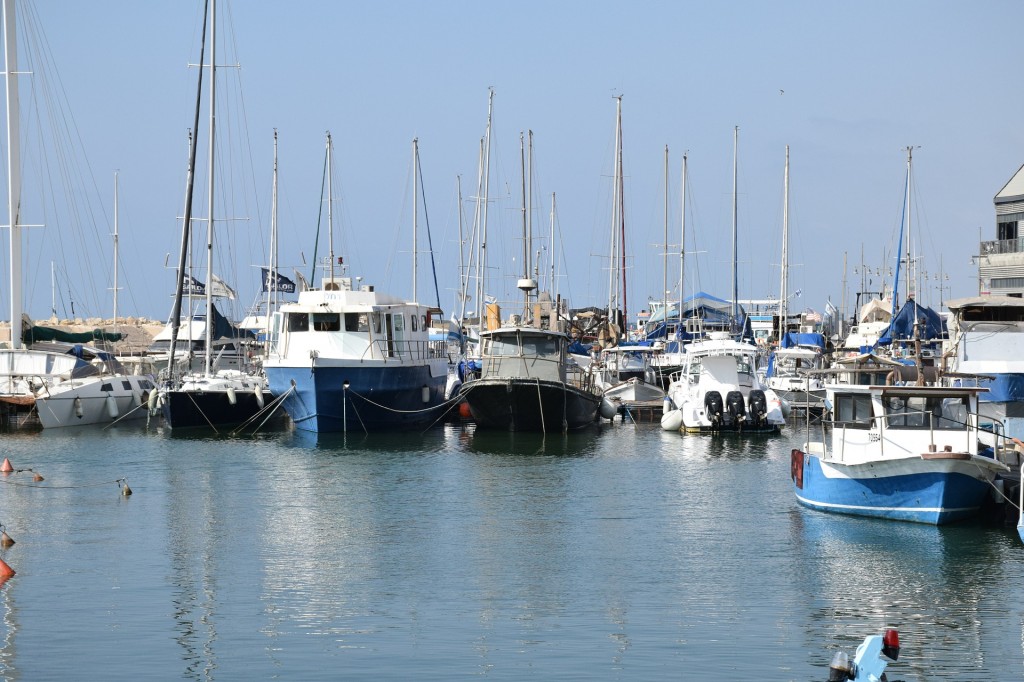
<point x="901" y="328"/>
<point x="794" y="339"/>
<point x="716" y="313"/>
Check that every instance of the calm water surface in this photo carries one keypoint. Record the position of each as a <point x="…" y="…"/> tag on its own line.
<point x="621" y="553"/>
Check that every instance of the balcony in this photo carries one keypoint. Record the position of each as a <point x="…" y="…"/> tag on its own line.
<point x="1002" y="246"/>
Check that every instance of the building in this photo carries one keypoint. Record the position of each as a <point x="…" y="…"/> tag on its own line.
<point x="1001" y="262"/>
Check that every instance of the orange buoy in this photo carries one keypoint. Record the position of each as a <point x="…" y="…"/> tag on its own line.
<point x="464" y="410"/>
<point x="5" y="539"/>
<point x="6" y="466"/>
<point x="5" y="570"/>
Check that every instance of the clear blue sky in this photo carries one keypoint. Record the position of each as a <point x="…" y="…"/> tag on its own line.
<point x="847" y="85"/>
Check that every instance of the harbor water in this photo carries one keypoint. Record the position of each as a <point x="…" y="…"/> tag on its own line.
<point x="623" y="552"/>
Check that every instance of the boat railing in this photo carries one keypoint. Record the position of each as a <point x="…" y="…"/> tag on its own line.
<point x="969" y="424"/>
<point x="406" y="350"/>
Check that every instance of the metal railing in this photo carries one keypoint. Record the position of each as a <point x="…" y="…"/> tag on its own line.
<point x="1002" y="246"/>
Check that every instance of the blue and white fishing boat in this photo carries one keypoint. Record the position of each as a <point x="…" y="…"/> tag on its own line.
<point x="905" y="452"/>
<point x="354" y="359"/>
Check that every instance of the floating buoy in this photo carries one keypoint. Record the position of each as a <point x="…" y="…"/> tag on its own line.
<point x="5" y="540"/>
<point x="672" y="420"/>
<point x="125" y="490"/>
<point x="6" y="466"/>
<point x="111" y="405"/>
<point x="78" y="407"/>
<point x="232" y="398"/>
<point x="38" y="477"/>
<point x="464" y="410"/>
<point x="5" y="570"/>
<point x="259" y="397"/>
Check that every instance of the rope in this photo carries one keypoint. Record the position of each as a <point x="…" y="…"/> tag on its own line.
<point x="272" y="407"/>
<point x="540" y="404"/>
<point x="62" y="487"/>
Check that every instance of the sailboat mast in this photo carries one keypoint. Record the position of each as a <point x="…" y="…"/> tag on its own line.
<point x="13" y="168"/>
<point x="784" y="286"/>
<point x="115" y="248"/>
<point x="664" y="265"/>
<point x="208" y="361"/>
<point x="271" y="281"/>
<point x="330" y="203"/>
<point x="682" y="246"/>
<point x="186" y="223"/>
<point x="415" y="213"/>
<point x="911" y="270"/>
<point x="735" y="256"/>
<point x="526" y="245"/>
<point x="554" y="293"/>
<point x="614" y="249"/>
<point x="482" y="265"/>
<point x="622" y="229"/>
<point x="529" y="209"/>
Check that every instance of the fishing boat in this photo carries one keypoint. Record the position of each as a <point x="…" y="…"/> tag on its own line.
<point x="213" y="397"/>
<point x="793" y="371"/>
<point x="719" y="390"/>
<point x="626" y="373"/>
<point x="346" y="357"/>
<point x="528" y="383"/>
<point x="901" y="451"/>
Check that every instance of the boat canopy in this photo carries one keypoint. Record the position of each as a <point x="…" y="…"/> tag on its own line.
<point x="36" y="334"/>
<point x="901" y="328"/>
<point x="807" y="340"/>
<point x="714" y="312"/>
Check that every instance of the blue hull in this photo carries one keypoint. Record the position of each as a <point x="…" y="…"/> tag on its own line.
<point x="926" y="496"/>
<point x="377" y="398"/>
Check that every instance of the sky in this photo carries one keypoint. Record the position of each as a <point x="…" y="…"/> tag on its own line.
<point x="848" y="86"/>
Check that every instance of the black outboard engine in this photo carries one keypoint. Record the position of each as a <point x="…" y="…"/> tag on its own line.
<point x="737" y="410"/>
<point x="713" y="408"/>
<point x="758" y="408"/>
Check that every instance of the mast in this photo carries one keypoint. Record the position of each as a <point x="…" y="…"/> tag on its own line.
<point x="330" y="203"/>
<point x="272" y="274"/>
<point x="187" y="219"/>
<point x="552" y="255"/>
<point x="614" y="249"/>
<point x="784" y="286"/>
<point x="664" y="266"/>
<point x="208" y="360"/>
<point x="115" y="248"/>
<point x="13" y="168"/>
<point x="526" y="244"/>
<point x="529" y="209"/>
<point x="682" y="247"/>
<point x="622" y="227"/>
<point x="911" y="269"/>
<point x="735" y="257"/>
<point x="415" y="212"/>
<point x="482" y="261"/>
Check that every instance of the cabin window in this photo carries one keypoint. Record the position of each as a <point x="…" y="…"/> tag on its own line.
<point x="107" y="387"/>
<point x="376" y="322"/>
<point x="400" y="322"/>
<point x="298" y="322"/>
<point x="853" y="411"/>
<point x="539" y="346"/>
<point x="923" y="412"/>
<point x="327" y="322"/>
<point x="126" y="385"/>
<point x="413" y="318"/>
<point x="357" y="322"/>
<point x="423" y="319"/>
<point x="504" y="347"/>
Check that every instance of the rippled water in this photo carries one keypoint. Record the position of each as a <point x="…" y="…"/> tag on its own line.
<point x="622" y="553"/>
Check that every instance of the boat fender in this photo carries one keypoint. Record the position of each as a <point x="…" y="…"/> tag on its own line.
<point x="259" y="396"/>
<point x="111" y="405"/>
<point x="152" y="400"/>
<point x="78" y="407"/>
<point x="672" y="420"/>
<point x="608" y="408"/>
<point x="232" y="398"/>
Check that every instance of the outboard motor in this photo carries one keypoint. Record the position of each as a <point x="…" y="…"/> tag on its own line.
<point x="758" y="408"/>
<point x="737" y="410"/>
<point x="713" y="408"/>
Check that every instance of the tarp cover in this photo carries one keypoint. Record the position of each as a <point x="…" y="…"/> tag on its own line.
<point x="40" y="334"/>
<point x="902" y="326"/>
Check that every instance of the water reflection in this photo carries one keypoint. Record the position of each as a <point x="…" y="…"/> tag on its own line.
<point x="933" y="583"/>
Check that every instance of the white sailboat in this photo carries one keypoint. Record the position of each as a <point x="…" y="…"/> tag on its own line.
<point x="67" y="384"/>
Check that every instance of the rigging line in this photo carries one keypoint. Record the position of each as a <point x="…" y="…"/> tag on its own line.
<point x="426" y="219"/>
<point x="319" y="218"/>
